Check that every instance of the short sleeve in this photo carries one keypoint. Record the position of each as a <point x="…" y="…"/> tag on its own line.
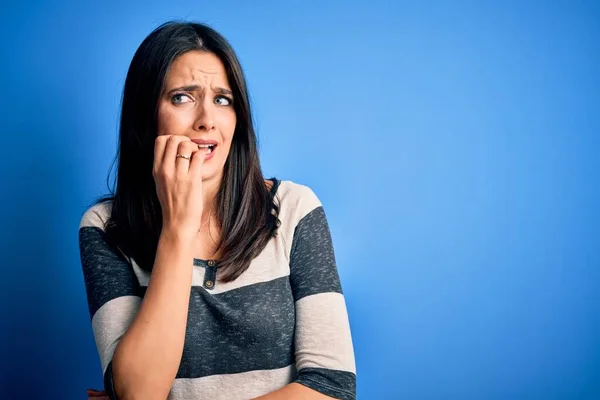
<point x="113" y="292"/>
<point x="323" y="344"/>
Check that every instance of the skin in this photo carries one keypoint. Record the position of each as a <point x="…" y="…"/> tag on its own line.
<point x="202" y="110"/>
<point x="186" y="190"/>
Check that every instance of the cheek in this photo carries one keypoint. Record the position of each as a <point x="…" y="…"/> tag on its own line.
<point x="170" y="122"/>
<point x="163" y="121"/>
<point x="227" y="126"/>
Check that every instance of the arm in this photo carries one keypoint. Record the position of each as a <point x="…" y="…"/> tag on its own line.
<point x="148" y="335"/>
<point x="323" y="343"/>
<point x="140" y="342"/>
<point x="148" y="356"/>
<point x="295" y="391"/>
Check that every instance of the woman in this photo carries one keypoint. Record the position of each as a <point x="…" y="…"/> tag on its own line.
<point x="204" y="280"/>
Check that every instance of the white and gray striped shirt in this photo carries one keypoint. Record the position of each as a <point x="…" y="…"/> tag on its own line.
<point x="283" y="320"/>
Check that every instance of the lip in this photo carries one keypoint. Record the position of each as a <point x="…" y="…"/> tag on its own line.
<point x="203" y="141"/>
<point x="212" y="142"/>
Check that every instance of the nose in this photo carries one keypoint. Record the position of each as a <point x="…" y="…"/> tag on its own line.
<point x="205" y="120"/>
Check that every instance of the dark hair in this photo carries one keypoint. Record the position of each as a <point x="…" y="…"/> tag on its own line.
<point x="245" y="209"/>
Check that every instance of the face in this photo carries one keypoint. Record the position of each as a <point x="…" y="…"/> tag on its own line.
<point x="197" y="102"/>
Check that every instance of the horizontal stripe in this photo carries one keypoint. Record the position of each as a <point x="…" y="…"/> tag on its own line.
<point x="111" y="322"/>
<point x="270" y="264"/>
<point x="250" y="328"/>
<point x="336" y="384"/>
<point x="106" y="273"/>
<point x="240" y="386"/>
<point x="312" y="264"/>
<point x="323" y="337"/>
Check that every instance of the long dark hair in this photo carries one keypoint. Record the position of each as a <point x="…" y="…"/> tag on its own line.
<point x="246" y="210"/>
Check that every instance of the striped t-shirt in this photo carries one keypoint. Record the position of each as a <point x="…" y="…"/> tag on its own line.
<point x="283" y="320"/>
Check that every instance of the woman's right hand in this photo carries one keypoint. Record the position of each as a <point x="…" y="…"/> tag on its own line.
<point x="179" y="183"/>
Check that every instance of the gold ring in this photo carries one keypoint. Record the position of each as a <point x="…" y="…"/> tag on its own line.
<point x="182" y="156"/>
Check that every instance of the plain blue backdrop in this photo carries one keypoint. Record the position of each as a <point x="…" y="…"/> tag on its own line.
<point x="454" y="145"/>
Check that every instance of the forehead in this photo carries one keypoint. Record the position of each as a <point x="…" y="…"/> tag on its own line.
<point x="197" y="67"/>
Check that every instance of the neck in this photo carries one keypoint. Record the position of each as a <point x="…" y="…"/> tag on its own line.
<point x="210" y="188"/>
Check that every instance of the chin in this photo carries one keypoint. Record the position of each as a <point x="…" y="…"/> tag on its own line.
<point x="208" y="176"/>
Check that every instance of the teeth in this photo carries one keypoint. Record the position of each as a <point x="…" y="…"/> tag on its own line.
<point x="209" y="147"/>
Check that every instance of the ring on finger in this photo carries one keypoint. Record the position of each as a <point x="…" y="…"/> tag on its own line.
<point x="182" y="156"/>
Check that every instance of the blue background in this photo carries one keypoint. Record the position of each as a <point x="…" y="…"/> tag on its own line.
<point x="454" y="145"/>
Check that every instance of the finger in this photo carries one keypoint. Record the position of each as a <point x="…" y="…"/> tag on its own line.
<point x="171" y="151"/>
<point x="196" y="163"/>
<point x="160" y="145"/>
<point x="96" y="394"/>
<point x="182" y="164"/>
<point x="159" y="150"/>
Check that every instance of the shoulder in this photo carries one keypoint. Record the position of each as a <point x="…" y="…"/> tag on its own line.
<point x="96" y="216"/>
<point x="296" y="199"/>
<point x="295" y="194"/>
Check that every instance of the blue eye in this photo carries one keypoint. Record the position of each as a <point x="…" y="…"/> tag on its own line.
<point x="176" y="99"/>
<point x="223" y="101"/>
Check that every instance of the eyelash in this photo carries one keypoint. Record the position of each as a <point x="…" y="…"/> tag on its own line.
<point x="185" y="94"/>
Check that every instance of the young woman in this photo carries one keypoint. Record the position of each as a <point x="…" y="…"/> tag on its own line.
<point x="204" y="279"/>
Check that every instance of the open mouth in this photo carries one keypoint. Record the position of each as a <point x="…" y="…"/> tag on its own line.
<point x="210" y="147"/>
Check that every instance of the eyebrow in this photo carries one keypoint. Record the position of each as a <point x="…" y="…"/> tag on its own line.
<point x="191" y="88"/>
